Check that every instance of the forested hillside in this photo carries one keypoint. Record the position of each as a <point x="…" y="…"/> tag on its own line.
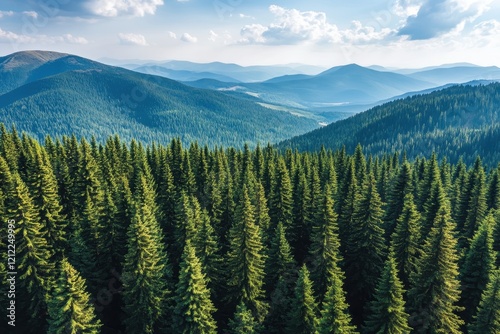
<point x="46" y="93"/>
<point x="128" y="238"/>
<point x="456" y="121"/>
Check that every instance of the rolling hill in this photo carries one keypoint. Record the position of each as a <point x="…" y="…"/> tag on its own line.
<point x="60" y="94"/>
<point x="461" y="120"/>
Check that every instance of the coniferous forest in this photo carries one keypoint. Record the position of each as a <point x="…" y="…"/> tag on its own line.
<point x="119" y="237"/>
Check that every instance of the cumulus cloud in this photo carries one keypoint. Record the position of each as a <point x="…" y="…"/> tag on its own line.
<point x="437" y="17"/>
<point x="292" y="26"/>
<point x="188" y="38"/>
<point x="11" y="37"/>
<point x="172" y="35"/>
<point x="132" y="39"/>
<point x="112" y="8"/>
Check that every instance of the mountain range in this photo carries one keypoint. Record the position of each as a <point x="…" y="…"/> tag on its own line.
<point x="59" y="94"/>
<point x="458" y="121"/>
<point x="43" y="92"/>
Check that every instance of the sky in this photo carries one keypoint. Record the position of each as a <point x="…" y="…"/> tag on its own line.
<point x="391" y="33"/>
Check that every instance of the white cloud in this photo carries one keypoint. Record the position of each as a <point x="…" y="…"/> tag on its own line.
<point x="11" y="37"/>
<point x="292" y="26"/>
<point x="188" y="38"/>
<point x="438" y="17"/>
<point x="74" y="39"/>
<point x="172" y="35"/>
<point x="31" y="14"/>
<point x="490" y="28"/>
<point x="243" y="16"/>
<point x="112" y="8"/>
<point x="213" y="36"/>
<point x="132" y="39"/>
<point x="6" y="13"/>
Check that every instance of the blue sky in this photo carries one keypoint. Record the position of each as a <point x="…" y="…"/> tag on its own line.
<point x="393" y="33"/>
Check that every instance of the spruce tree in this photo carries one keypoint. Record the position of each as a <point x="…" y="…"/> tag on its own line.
<point x="387" y="308"/>
<point x="246" y="260"/>
<point x="435" y="287"/>
<point x="487" y="320"/>
<point x="146" y="273"/>
<point x="335" y="317"/>
<point x="34" y="255"/>
<point x="280" y="262"/>
<point x="281" y="201"/>
<point x="325" y="246"/>
<point x="405" y="241"/>
<point x="243" y="322"/>
<point x="366" y="249"/>
<point x="304" y="314"/>
<point x="479" y="262"/>
<point x="69" y="307"/>
<point x="493" y="195"/>
<point x="396" y="198"/>
<point x="194" y="309"/>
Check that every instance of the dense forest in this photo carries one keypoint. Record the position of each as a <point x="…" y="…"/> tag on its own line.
<point x="459" y="121"/>
<point x="118" y="237"/>
<point x="45" y="93"/>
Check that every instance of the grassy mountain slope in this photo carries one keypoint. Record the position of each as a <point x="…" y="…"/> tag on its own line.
<point x="456" y="121"/>
<point x="95" y="99"/>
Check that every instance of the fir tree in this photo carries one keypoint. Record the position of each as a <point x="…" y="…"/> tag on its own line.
<point x="193" y="308"/>
<point x="405" y="240"/>
<point x="325" y="246"/>
<point x="303" y="317"/>
<point x="387" y="309"/>
<point x="335" y="317"/>
<point x="246" y="260"/>
<point x="487" y="320"/>
<point x="243" y="322"/>
<point x="146" y="273"/>
<point x="366" y="249"/>
<point x="435" y="287"/>
<point x="280" y="262"/>
<point x="34" y="255"/>
<point x="70" y="308"/>
<point x="479" y="262"/>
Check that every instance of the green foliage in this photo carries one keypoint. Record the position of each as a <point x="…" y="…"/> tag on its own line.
<point x="459" y="121"/>
<point x="69" y="307"/>
<point x="194" y="309"/>
<point x="304" y="315"/>
<point x="487" y="320"/>
<point x="243" y="322"/>
<point x="210" y="240"/>
<point x="387" y="309"/>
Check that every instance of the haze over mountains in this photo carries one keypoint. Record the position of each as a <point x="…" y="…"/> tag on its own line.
<point x="44" y="92"/>
<point x="50" y="93"/>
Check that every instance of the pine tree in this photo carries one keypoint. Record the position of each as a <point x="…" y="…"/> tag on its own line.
<point x="325" y="246"/>
<point x="303" y="317"/>
<point x="300" y="228"/>
<point x="243" y="322"/>
<point x="246" y="260"/>
<point x="347" y="199"/>
<point x="493" y="195"/>
<point x="387" y="308"/>
<point x="146" y="274"/>
<point x="194" y="309"/>
<point x="335" y="317"/>
<point x="479" y="262"/>
<point x="435" y="287"/>
<point x="487" y="320"/>
<point x="280" y="305"/>
<point x="405" y="241"/>
<point x="69" y="306"/>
